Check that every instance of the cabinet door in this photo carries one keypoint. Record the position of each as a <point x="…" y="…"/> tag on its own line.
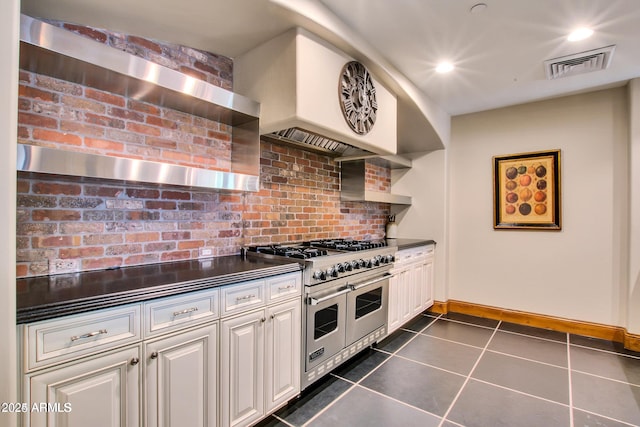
<point x="242" y="369"/>
<point x="181" y="379"/>
<point x="282" y="363"/>
<point x="405" y="284"/>
<point x="427" y="283"/>
<point x="417" y="284"/>
<point x="100" y="392"/>
<point x="395" y="302"/>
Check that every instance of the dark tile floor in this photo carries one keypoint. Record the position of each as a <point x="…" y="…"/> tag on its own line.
<point x="460" y="370"/>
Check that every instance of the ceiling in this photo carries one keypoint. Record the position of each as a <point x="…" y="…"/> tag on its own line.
<point x="499" y="53"/>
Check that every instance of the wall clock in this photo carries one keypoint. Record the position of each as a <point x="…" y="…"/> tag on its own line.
<point x="358" y="97"/>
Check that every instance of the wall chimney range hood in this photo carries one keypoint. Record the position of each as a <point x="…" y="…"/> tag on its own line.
<point x="296" y="79"/>
<point x="52" y="51"/>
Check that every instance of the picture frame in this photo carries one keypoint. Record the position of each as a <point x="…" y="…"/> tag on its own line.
<point x="526" y="191"/>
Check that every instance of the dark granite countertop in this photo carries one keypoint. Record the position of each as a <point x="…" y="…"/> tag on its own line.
<point x="409" y="243"/>
<point x="47" y="297"/>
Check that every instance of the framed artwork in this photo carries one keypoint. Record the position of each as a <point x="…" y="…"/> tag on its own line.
<point x="526" y="191"/>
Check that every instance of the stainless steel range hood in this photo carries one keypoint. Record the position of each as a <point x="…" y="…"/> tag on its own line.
<point x="49" y="50"/>
<point x="295" y="77"/>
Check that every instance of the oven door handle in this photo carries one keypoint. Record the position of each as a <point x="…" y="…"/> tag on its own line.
<point x="316" y="301"/>
<point x="370" y="282"/>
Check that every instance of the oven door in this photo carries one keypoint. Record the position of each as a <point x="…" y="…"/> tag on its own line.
<point x="367" y="307"/>
<point x="325" y="324"/>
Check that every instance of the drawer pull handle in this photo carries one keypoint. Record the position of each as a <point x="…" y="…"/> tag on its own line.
<point x="246" y="297"/>
<point x="284" y="288"/>
<point x="89" y="335"/>
<point x="185" y="311"/>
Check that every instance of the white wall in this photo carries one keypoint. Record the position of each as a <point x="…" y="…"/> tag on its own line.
<point x="9" y="33"/>
<point x="634" y="211"/>
<point x="426" y="217"/>
<point x="576" y="273"/>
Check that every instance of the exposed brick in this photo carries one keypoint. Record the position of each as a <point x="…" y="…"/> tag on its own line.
<point x="191" y="244"/>
<point x="127" y="115"/>
<point x="29" y="119"/>
<point x="143" y="129"/>
<point x="142" y="237"/>
<point x="91" y="33"/>
<point x="175" y="256"/>
<point x="176" y="195"/>
<point x="102" y="239"/>
<point x="102" y="191"/>
<point x="176" y="235"/>
<point x="22" y="270"/>
<point x="52" y="188"/>
<point x="160" y="205"/>
<point x="106" y="97"/>
<point x="55" y="241"/>
<point x="101" y="120"/>
<point x="143" y="107"/>
<point x="35" y="93"/>
<point x="161" y="143"/>
<point x="84" y="252"/>
<point x="55" y="215"/>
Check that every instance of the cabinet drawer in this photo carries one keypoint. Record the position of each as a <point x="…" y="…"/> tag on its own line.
<point x="168" y="314"/>
<point x="284" y="286"/>
<point x="54" y="341"/>
<point x="241" y="297"/>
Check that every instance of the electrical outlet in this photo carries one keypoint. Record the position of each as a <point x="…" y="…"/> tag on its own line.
<point x="205" y="252"/>
<point x="62" y="266"/>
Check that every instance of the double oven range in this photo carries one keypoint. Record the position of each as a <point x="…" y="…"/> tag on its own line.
<point x="345" y="298"/>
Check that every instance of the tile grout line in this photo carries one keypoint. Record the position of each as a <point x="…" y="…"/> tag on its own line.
<point x="355" y="384"/>
<point x="571" y="422"/>
<point x="455" y="399"/>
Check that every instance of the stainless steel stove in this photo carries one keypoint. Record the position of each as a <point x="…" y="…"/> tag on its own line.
<point x="345" y="297"/>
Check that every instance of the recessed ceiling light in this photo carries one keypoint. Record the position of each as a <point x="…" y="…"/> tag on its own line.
<point x="580" y="34"/>
<point x="444" y="67"/>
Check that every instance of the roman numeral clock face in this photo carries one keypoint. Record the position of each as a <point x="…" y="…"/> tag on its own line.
<point x="358" y="97"/>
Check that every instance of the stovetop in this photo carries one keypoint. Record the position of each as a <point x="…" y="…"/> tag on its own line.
<point x="326" y="260"/>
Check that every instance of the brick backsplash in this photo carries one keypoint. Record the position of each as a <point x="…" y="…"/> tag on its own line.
<point x="108" y="224"/>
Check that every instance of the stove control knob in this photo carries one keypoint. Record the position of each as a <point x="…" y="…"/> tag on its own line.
<point x="319" y="275"/>
<point x="375" y="262"/>
<point x="340" y="268"/>
<point x="332" y="272"/>
<point x="361" y="263"/>
<point x="390" y="258"/>
<point x="355" y="265"/>
<point x="347" y="266"/>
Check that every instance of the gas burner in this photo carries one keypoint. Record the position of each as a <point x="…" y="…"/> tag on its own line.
<point x="346" y="244"/>
<point x="299" y="252"/>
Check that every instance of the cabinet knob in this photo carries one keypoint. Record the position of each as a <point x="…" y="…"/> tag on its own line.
<point x="273" y="316"/>
<point x="135" y="361"/>
<point x="264" y="319"/>
<point x="154" y="355"/>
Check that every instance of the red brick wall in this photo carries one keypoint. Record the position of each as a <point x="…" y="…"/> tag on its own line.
<point x="108" y="223"/>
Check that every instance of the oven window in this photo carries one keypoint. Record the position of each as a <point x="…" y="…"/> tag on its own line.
<point x="325" y="321"/>
<point x="368" y="302"/>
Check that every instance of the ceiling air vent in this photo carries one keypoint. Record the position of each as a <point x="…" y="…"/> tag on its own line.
<point x="579" y="63"/>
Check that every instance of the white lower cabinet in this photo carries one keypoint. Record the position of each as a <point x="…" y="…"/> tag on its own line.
<point x="283" y="353"/>
<point x="186" y="367"/>
<point x="260" y="362"/>
<point x="411" y="286"/>
<point x="181" y="379"/>
<point x="102" y="391"/>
